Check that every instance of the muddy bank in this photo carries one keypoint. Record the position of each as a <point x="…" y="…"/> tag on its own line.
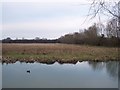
<point x="63" y="61"/>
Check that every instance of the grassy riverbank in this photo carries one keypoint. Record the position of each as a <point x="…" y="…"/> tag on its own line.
<point x="63" y="53"/>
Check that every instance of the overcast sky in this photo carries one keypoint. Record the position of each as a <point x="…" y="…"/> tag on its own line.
<point x="43" y="18"/>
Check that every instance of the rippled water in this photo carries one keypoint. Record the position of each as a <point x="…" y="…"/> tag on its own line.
<point x="80" y="75"/>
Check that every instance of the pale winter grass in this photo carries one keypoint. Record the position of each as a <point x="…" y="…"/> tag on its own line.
<point x="61" y="52"/>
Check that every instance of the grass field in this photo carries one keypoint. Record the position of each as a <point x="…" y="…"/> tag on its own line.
<point x="63" y="53"/>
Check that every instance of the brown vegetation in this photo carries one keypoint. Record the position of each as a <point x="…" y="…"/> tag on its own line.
<point x="62" y="53"/>
<point x="94" y="36"/>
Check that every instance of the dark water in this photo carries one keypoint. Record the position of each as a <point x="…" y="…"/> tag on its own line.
<point x="80" y="75"/>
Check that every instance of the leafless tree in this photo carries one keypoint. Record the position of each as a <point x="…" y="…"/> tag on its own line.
<point x="37" y="38"/>
<point x="111" y="28"/>
<point x="110" y="8"/>
<point x="105" y="7"/>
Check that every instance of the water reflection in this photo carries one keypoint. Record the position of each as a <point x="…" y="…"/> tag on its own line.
<point x="0" y="76"/>
<point x="112" y="69"/>
<point x="110" y="66"/>
<point x="119" y="75"/>
<point x="40" y="61"/>
<point x="96" y="65"/>
<point x="79" y="75"/>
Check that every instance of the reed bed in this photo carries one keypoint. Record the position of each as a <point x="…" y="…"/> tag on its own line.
<point x="63" y="53"/>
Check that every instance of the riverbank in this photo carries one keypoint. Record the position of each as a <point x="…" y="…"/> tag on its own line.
<point x="62" y="53"/>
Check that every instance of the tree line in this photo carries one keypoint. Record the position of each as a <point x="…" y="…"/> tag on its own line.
<point x="97" y="34"/>
<point x="9" y="40"/>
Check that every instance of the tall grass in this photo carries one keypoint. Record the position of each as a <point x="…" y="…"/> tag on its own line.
<point x="58" y="52"/>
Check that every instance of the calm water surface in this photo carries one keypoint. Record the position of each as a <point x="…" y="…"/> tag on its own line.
<point x="0" y="76"/>
<point x="80" y="75"/>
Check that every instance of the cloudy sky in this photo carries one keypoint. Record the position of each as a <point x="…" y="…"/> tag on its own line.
<point x="43" y="18"/>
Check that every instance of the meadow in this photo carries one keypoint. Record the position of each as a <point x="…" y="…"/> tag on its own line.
<point x="62" y="53"/>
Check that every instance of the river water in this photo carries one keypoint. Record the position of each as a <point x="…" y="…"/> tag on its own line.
<point x="80" y="75"/>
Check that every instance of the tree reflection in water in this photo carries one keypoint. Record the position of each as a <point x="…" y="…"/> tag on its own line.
<point x="110" y="66"/>
<point x="96" y="65"/>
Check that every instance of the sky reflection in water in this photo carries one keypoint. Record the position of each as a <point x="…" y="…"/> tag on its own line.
<point x="80" y="75"/>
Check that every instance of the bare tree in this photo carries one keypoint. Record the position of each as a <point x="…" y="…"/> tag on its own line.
<point x="37" y="38"/>
<point x="111" y="28"/>
<point x="105" y="7"/>
<point x="91" y="35"/>
<point x="110" y="8"/>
